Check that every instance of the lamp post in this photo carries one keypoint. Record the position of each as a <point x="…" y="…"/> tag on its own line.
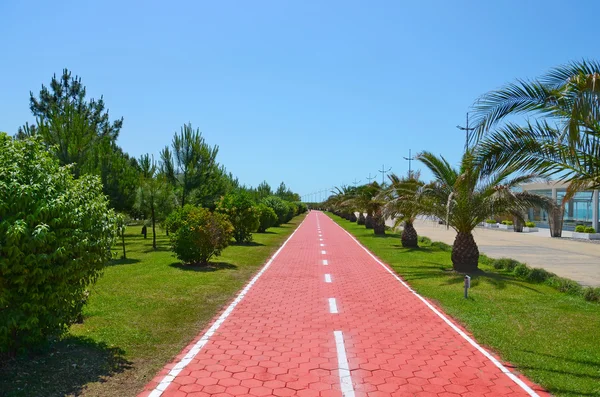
<point x="467" y="129"/>
<point x="383" y="172"/>
<point x="410" y="159"/>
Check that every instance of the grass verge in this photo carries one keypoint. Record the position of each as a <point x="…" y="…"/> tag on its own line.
<point x="550" y="336"/>
<point x="141" y="313"/>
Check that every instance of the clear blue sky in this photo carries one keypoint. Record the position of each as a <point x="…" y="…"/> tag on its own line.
<point x="314" y="93"/>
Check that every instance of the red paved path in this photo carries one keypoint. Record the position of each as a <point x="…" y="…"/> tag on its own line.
<point x="279" y="340"/>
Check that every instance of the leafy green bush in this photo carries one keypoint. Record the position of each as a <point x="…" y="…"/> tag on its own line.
<point x="522" y="270"/>
<point x="55" y="238"/>
<point x="292" y="209"/>
<point x="242" y="213"/>
<point x="580" y="229"/>
<point x="591" y="294"/>
<point x="266" y="217"/>
<point x="198" y="234"/>
<point x="590" y="229"/>
<point x="279" y="206"/>
<point x="490" y="221"/>
<point x="302" y="208"/>
<point x="538" y="275"/>
<point x="529" y="224"/>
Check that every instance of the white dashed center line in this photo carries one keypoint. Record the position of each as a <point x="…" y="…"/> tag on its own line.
<point x="325" y="262"/>
<point x="343" y="368"/>
<point x="328" y="278"/>
<point x="322" y="245"/>
<point x="323" y="252"/>
<point x="332" y="306"/>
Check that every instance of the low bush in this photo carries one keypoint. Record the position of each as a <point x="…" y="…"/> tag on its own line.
<point x="55" y="237"/>
<point x="424" y="240"/>
<point x="505" y="263"/>
<point x="266" y="217"/>
<point x="538" y="275"/>
<point x="580" y="229"/>
<point x="302" y="208"/>
<point x="522" y="270"/>
<point x="564" y="285"/>
<point x="490" y="221"/>
<point x="592" y="294"/>
<point x="529" y="224"/>
<point x="198" y="234"/>
<point x="243" y="215"/>
<point x="508" y="223"/>
<point x="589" y="229"/>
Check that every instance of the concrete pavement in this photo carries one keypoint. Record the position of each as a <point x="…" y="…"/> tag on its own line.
<point x="579" y="261"/>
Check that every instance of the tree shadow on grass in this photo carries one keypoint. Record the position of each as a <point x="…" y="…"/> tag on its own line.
<point x="128" y="261"/>
<point x="211" y="267"/>
<point x="63" y="368"/>
<point x="158" y="249"/>
<point x="250" y="244"/>
<point x="498" y="281"/>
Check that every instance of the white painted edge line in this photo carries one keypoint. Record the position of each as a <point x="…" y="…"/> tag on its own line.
<point x="328" y="278"/>
<point x="168" y="379"/>
<point x="333" y="306"/>
<point x="343" y="367"/>
<point x="497" y="363"/>
<point x="325" y="262"/>
<point x="323" y="252"/>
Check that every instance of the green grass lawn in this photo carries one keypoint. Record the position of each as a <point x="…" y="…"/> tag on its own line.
<point x="141" y="313"/>
<point x="552" y="337"/>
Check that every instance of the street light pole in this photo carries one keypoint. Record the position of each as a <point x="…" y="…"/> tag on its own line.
<point x="467" y="129"/>
<point x="383" y="172"/>
<point x="369" y="178"/>
<point x="410" y="159"/>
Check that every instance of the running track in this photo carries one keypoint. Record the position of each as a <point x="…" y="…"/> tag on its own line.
<point x="325" y="318"/>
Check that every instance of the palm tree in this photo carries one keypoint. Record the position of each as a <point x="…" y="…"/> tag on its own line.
<point x="404" y="201"/>
<point x="467" y="196"/>
<point x="564" y="140"/>
<point x="367" y="200"/>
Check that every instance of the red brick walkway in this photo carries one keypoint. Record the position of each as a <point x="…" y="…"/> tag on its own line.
<point x="284" y="337"/>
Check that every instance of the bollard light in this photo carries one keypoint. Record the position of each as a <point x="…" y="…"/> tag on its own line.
<point x="467" y="286"/>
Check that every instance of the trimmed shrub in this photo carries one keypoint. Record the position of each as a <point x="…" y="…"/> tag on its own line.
<point x="529" y="224"/>
<point x="591" y="294"/>
<point x="55" y="238"/>
<point x="266" y="217"/>
<point x="538" y="275"/>
<point x="508" y="223"/>
<point x="580" y="229"/>
<point x="198" y="234"/>
<point x="522" y="270"/>
<point x="590" y="229"/>
<point x="490" y="221"/>
<point x="279" y="206"/>
<point x="242" y="213"/>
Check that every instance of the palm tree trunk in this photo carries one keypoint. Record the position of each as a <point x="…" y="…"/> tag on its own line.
<point x="465" y="254"/>
<point x="409" y="237"/>
<point x="352" y="217"/>
<point x="379" y="224"/>
<point x="518" y="224"/>
<point x="555" y="221"/>
<point x="369" y="220"/>
<point x="361" y="219"/>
